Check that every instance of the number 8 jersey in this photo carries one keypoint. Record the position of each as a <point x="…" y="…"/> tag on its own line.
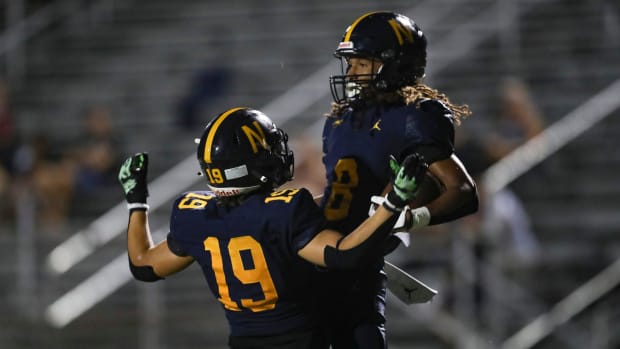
<point x="357" y="147"/>
<point x="248" y="255"/>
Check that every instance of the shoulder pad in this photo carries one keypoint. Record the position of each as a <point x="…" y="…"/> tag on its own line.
<point x="286" y="195"/>
<point x="204" y="193"/>
<point x="193" y="199"/>
<point x="434" y="106"/>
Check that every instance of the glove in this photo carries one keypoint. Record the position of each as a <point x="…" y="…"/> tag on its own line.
<point x="408" y="177"/>
<point x="132" y="177"/>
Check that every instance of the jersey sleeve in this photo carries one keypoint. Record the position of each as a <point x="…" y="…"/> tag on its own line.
<point x="308" y="220"/>
<point x="305" y="219"/>
<point x="175" y="247"/>
<point x="430" y="131"/>
<point x="172" y="238"/>
<point x="183" y="219"/>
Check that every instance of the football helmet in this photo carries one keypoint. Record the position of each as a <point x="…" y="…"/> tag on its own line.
<point x="390" y="38"/>
<point x="241" y="150"/>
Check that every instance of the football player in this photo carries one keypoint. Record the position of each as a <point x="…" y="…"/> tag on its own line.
<point x="382" y="107"/>
<point x="257" y="246"/>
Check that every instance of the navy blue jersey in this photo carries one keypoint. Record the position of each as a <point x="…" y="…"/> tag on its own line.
<point x="248" y="255"/>
<point x="357" y="146"/>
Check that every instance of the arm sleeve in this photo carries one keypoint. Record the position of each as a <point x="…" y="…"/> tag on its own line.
<point x="363" y="253"/>
<point x="143" y="273"/>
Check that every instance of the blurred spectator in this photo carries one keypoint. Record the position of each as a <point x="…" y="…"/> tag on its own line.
<point x="502" y="221"/>
<point x="16" y="158"/>
<point x="502" y="224"/>
<point x="52" y="177"/>
<point x="96" y="152"/>
<point x="61" y="175"/>
<point x="207" y="85"/>
<point x="9" y="146"/>
<point x="518" y="120"/>
<point x="500" y="234"/>
<point x="20" y="169"/>
<point x="309" y="170"/>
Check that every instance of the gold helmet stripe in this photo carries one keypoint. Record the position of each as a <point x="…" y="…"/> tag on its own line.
<point x="213" y="130"/>
<point x="401" y="30"/>
<point x="347" y="36"/>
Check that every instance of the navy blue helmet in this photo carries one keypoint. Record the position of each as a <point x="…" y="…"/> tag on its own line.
<point x="241" y="150"/>
<point x="390" y="38"/>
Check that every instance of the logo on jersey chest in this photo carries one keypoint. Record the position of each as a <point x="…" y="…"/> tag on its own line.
<point x="376" y="126"/>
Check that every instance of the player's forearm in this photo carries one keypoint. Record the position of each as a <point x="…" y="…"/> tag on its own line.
<point x="454" y="203"/>
<point x="139" y="242"/>
<point x="139" y="239"/>
<point x="366" y="241"/>
<point x="369" y="227"/>
<point x="132" y="177"/>
<point x="459" y="198"/>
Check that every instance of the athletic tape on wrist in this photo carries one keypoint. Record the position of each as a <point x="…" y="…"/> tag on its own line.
<point x="420" y="216"/>
<point x="390" y="206"/>
<point x="376" y="201"/>
<point x="137" y="206"/>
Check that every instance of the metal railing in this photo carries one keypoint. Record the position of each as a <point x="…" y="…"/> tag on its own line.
<point x="20" y="29"/>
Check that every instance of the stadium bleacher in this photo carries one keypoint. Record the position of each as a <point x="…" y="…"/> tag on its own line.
<point x="142" y="58"/>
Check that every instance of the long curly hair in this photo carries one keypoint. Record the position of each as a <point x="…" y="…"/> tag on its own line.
<point x="407" y="95"/>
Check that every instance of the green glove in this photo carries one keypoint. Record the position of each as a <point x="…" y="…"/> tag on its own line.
<point x="408" y="177"/>
<point x="132" y="177"/>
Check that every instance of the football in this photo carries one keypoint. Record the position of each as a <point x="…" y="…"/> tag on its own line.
<point x="430" y="189"/>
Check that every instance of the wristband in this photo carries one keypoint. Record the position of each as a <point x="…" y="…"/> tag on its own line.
<point x="401" y="222"/>
<point x="137" y="206"/>
<point x="420" y="217"/>
<point x="390" y="206"/>
<point x="375" y="201"/>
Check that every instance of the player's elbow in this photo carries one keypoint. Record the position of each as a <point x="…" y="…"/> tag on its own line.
<point x="469" y="194"/>
<point x="143" y="273"/>
<point x="466" y="203"/>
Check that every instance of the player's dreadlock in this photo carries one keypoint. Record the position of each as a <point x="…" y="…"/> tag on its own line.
<point x="418" y="92"/>
<point x="408" y="95"/>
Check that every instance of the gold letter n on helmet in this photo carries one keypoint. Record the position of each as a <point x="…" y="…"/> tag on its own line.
<point x="255" y="136"/>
